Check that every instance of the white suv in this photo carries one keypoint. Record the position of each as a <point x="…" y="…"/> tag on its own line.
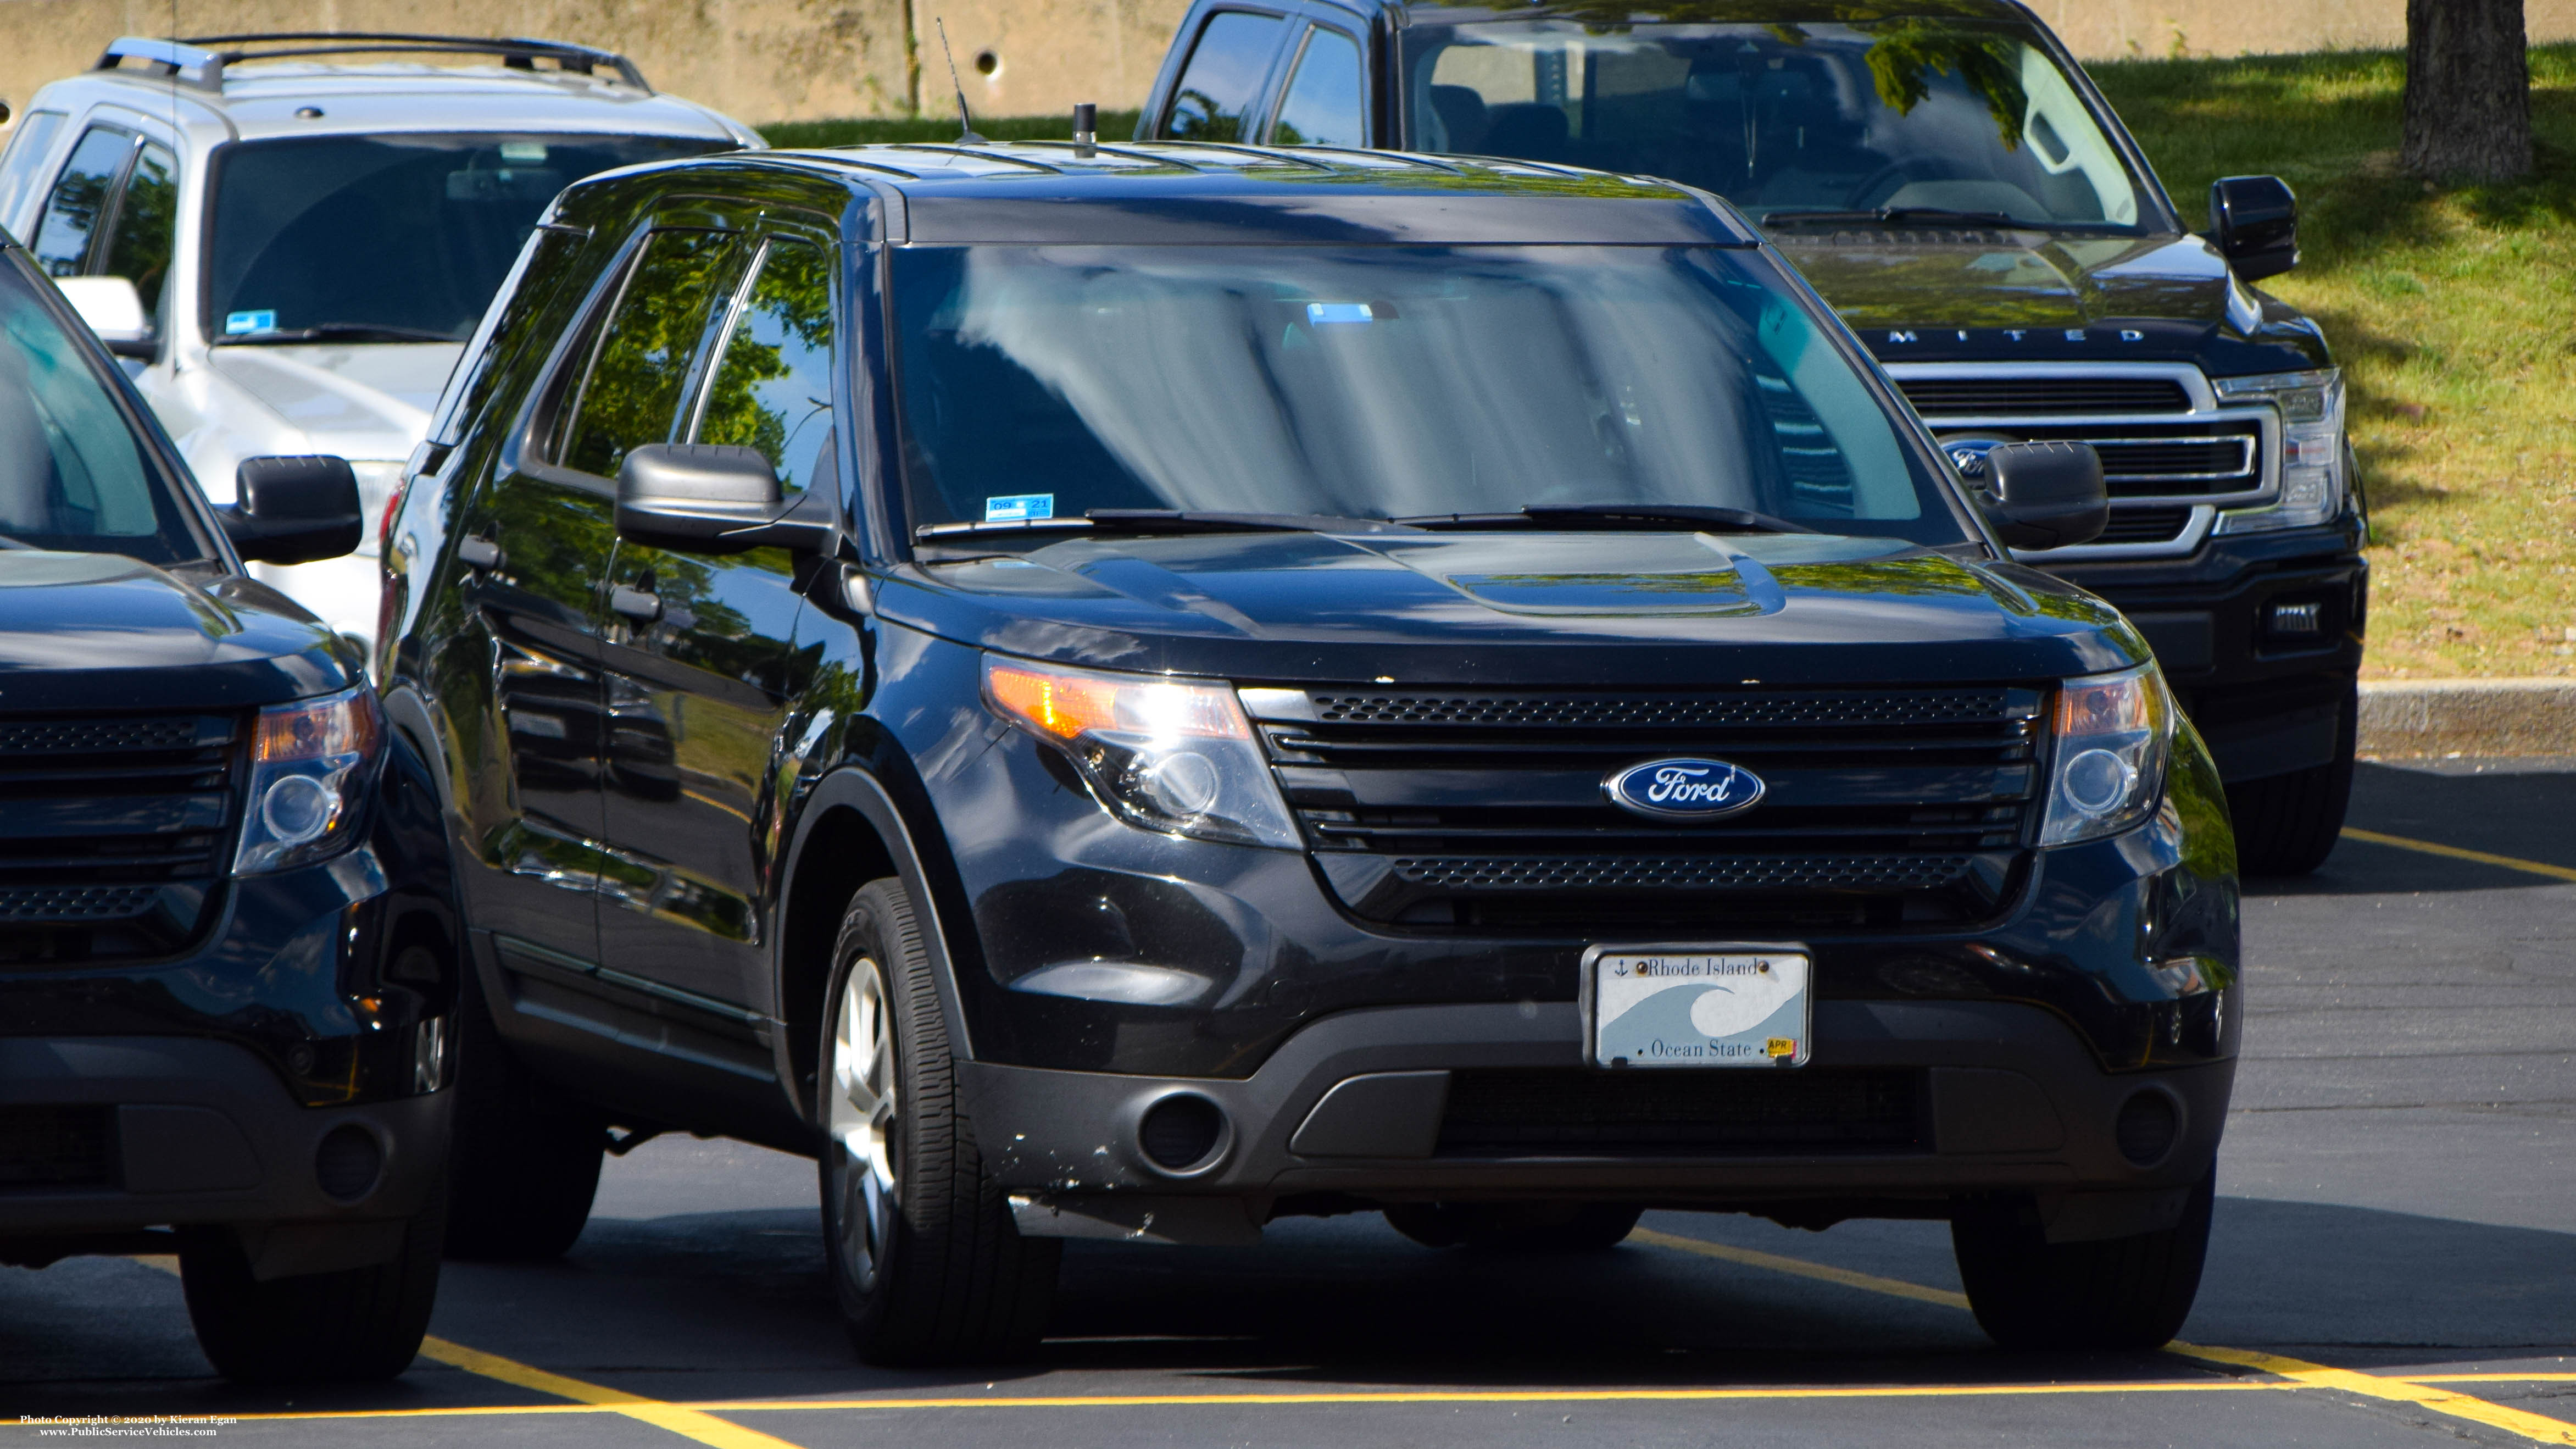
<point x="290" y="253"/>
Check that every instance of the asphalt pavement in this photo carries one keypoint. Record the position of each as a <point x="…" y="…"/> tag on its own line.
<point x="2394" y="1263"/>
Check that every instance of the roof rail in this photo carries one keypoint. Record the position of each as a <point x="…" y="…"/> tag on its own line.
<point x="193" y="63"/>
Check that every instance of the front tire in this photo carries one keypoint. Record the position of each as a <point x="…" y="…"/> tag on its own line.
<point x="2128" y="1293"/>
<point x="351" y="1326"/>
<point x="526" y="1162"/>
<point x="925" y="1260"/>
<point x="2288" y="824"/>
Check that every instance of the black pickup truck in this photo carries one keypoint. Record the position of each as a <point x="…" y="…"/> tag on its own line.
<point x="1948" y="178"/>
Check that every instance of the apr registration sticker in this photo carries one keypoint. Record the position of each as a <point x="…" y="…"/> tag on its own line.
<point x="1696" y="1006"/>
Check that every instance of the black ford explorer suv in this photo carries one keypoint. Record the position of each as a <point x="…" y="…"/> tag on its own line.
<point x="1945" y="174"/>
<point x="224" y="978"/>
<point x="1134" y="691"/>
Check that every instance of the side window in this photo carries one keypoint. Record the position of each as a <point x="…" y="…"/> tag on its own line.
<point x="146" y="225"/>
<point x="27" y="150"/>
<point x="1324" y="105"/>
<point x="62" y="239"/>
<point x="544" y="261"/>
<point x="772" y="388"/>
<point x="637" y="375"/>
<point x="1223" y="77"/>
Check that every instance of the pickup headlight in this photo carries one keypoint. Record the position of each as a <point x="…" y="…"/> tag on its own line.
<point x="2310" y="405"/>
<point x="2113" y="732"/>
<point x="311" y="764"/>
<point x="1166" y="754"/>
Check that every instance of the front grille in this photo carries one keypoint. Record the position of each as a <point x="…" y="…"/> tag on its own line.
<point x="56" y="1146"/>
<point x="1684" y="1112"/>
<point x="115" y="833"/>
<point x="2025" y="396"/>
<point x="2172" y="460"/>
<point x="1476" y="808"/>
<point x="2146" y="525"/>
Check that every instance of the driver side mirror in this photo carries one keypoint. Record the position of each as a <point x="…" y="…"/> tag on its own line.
<point x="715" y="498"/>
<point x="293" y="510"/>
<point x="113" y="310"/>
<point x="2046" y="495"/>
<point x="2255" y="222"/>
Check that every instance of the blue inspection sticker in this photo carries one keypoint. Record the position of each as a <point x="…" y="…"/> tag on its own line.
<point x="1019" y="507"/>
<point x="1325" y="314"/>
<point x="242" y="324"/>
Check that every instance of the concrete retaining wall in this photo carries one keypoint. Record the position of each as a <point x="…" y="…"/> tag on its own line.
<point x="782" y="60"/>
<point x="2405" y="718"/>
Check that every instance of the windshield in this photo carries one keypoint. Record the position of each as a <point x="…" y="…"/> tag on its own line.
<point x="1386" y="382"/>
<point x="73" y="477"/>
<point x="1941" y="114"/>
<point x="387" y="238"/>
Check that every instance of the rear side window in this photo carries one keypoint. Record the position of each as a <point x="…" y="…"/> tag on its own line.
<point x="79" y="200"/>
<point x="640" y="371"/>
<point x="772" y="388"/>
<point x="27" y="150"/>
<point x="1223" y="77"/>
<point x="1324" y="106"/>
<point x="146" y="226"/>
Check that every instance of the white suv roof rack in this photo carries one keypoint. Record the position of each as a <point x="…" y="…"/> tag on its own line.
<point x="192" y="63"/>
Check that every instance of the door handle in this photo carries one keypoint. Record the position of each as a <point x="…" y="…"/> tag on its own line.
<point x="480" y="554"/>
<point x="635" y="604"/>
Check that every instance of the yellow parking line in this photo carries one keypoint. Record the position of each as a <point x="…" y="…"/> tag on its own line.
<point x="2538" y="1427"/>
<point x="2427" y="847"/>
<point x="2492" y="1378"/>
<point x="680" y="1419"/>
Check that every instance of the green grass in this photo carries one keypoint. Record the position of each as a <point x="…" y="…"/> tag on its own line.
<point x="2452" y="309"/>
<point x="1114" y="126"/>
<point x="2453" y="312"/>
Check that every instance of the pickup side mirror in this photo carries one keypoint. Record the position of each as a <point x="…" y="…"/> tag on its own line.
<point x="293" y="510"/>
<point x="2046" y="495"/>
<point x="113" y="310"/>
<point x="715" y="498"/>
<point x="2255" y="222"/>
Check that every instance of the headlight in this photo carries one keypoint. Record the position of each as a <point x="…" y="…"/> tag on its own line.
<point x="2113" y="734"/>
<point x="2312" y="472"/>
<point x="1166" y="754"/>
<point x="311" y="762"/>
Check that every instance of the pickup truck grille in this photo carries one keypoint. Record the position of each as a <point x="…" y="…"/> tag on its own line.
<point x="1486" y="809"/>
<point x="115" y="833"/>
<point x="2171" y="454"/>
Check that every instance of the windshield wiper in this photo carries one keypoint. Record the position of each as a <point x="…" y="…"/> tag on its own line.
<point x="1699" y="518"/>
<point x="335" y="332"/>
<point x="1161" y="520"/>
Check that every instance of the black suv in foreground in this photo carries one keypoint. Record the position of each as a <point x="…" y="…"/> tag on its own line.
<point x="1134" y="691"/>
<point x="1952" y="182"/>
<point x="224" y="967"/>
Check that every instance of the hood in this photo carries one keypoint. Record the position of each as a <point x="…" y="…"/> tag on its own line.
<point x="102" y="631"/>
<point x="1918" y="294"/>
<point x="1519" y="608"/>
<point x="360" y="401"/>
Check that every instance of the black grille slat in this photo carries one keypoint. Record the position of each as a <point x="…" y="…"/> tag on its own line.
<point x="2024" y="396"/>
<point x="2145" y="525"/>
<point x="1625" y="873"/>
<point x="115" y="832"/>
<point x="1680" y="1112"/>
<point x="56" y="1146"/>
<point x="1547" y="711"/>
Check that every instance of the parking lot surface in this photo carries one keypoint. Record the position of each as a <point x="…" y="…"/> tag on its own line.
<point x="2394" y="1262"/>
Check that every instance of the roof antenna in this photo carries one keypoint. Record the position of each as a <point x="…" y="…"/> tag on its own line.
<point x="965" y="123"/>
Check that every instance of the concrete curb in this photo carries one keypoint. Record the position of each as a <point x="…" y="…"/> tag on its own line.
<point x="2420" y="718"/>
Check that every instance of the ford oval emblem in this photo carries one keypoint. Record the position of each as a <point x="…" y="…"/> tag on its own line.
<point x="1684" y="789"/>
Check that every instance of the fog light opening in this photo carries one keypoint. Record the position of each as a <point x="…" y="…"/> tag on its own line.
<point x="348" y="1162"/>
<point x="1184" y="1135"/>
<point x="2149" y="1125"/>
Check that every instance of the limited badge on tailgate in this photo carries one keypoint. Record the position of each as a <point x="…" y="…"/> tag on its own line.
<point x="1696" y="1006"/>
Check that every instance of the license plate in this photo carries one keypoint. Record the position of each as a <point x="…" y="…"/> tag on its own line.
<point x="1696" y="1006"/>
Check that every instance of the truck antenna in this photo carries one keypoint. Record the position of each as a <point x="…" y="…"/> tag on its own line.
<point x="965" y="123"/>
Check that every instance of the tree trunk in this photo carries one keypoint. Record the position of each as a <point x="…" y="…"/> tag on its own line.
<point x="2468" y="90"/>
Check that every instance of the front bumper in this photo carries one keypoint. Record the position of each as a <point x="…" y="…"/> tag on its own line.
<point x="2267" y="701"/>
<point x="1349" y="1113"/>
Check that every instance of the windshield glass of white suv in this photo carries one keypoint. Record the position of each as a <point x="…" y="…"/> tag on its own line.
<point x="386" y="238"/>
<point x="73" y="477"/>
<point x="1382" y="382"/>
<point x="1923" y="112"/>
